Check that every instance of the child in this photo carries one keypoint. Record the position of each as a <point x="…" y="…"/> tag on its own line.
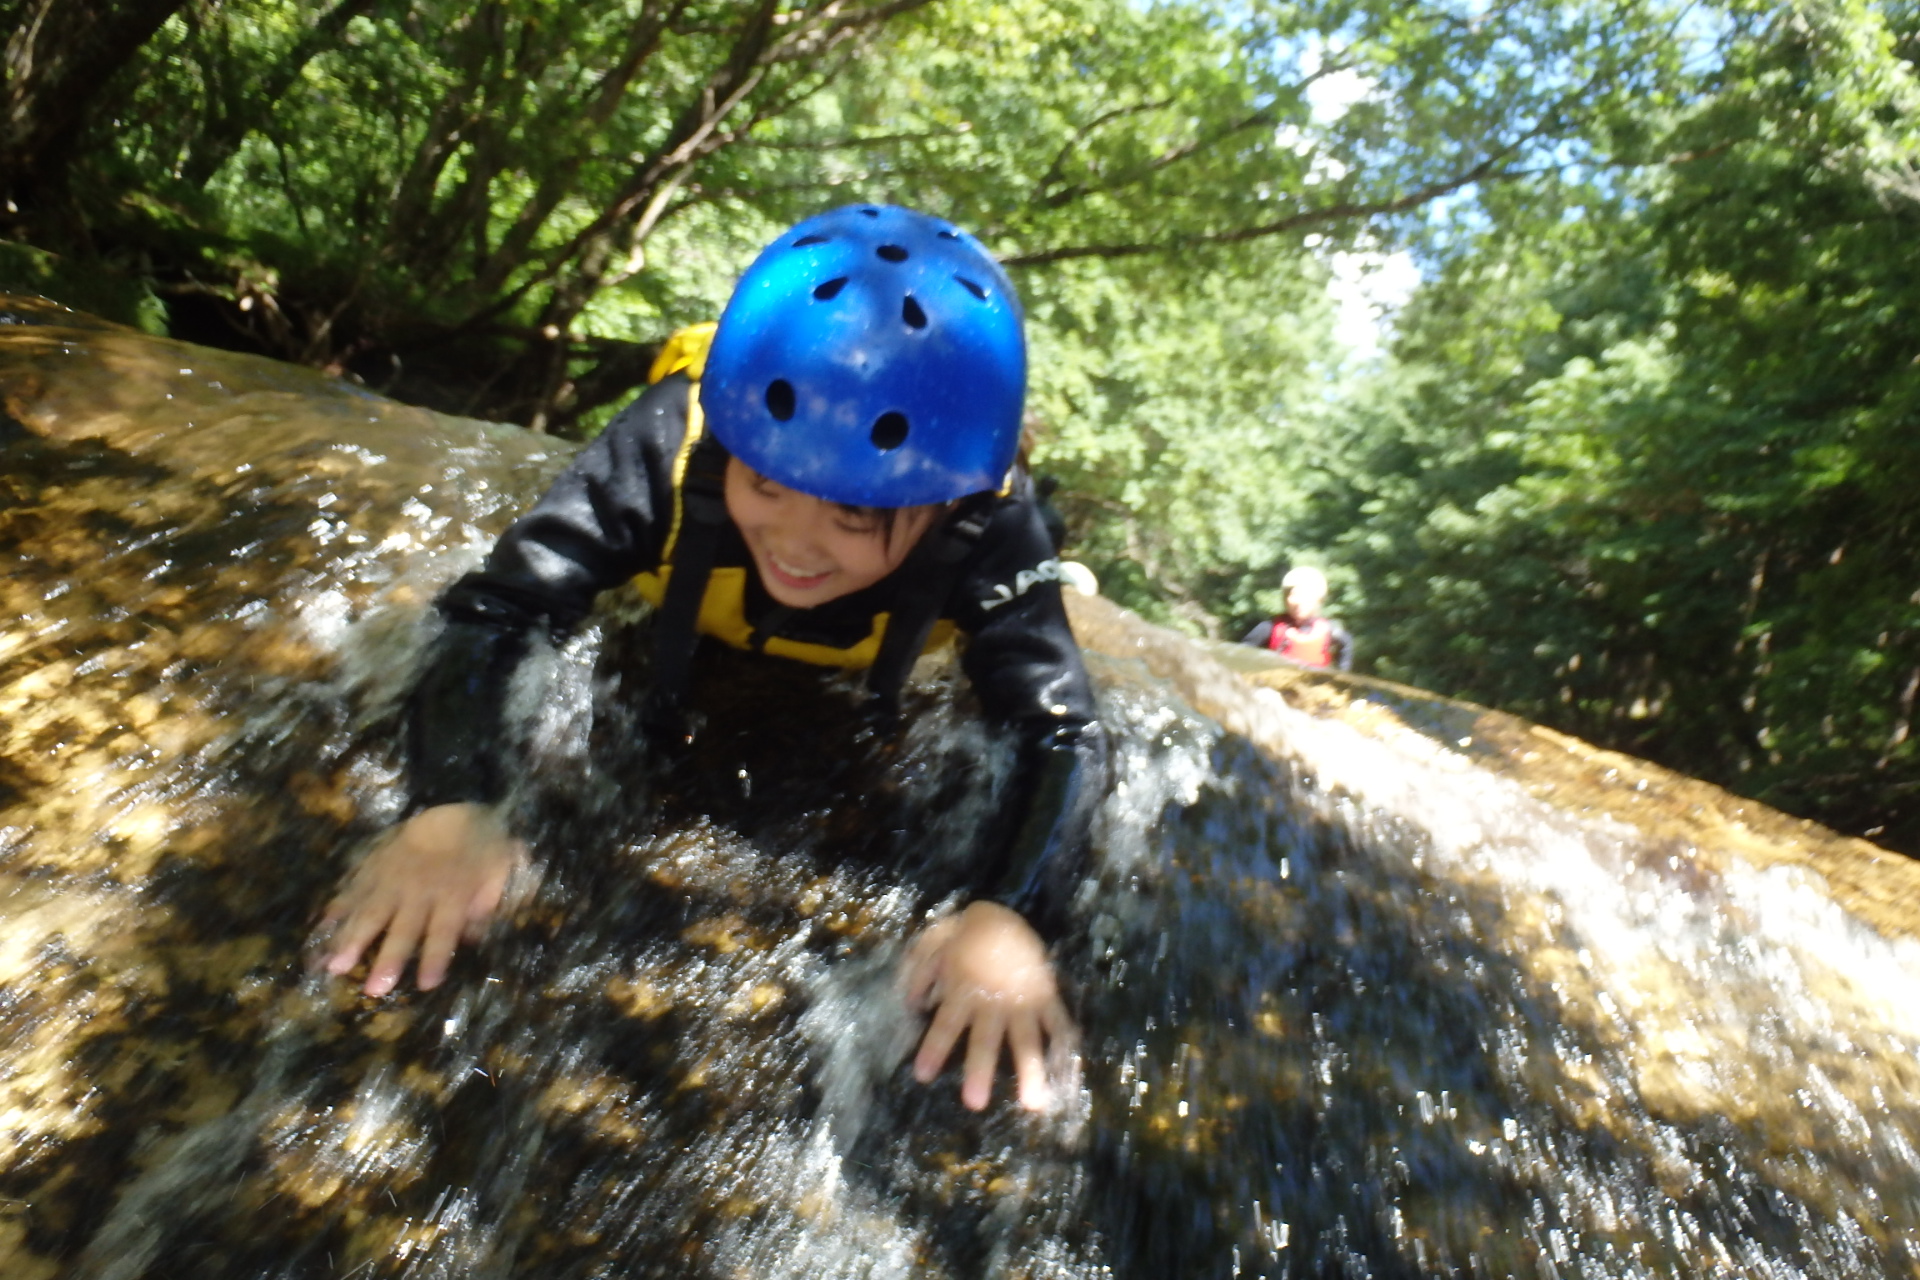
<point x="832" y="482"/>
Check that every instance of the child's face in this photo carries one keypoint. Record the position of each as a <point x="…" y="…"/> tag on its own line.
<point x="808" y="550"/>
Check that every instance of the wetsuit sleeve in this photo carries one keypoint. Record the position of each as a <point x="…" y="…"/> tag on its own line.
<point x="1023" y="662"/>
<point x="1260" y="636"/>
<point x="600" y="523"/>
<point x="1342" y="647"/>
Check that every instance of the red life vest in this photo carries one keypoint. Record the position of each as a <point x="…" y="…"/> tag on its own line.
<point x="1309" y="644"/>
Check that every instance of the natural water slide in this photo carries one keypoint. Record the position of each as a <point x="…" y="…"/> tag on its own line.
<point x="1372" y="983"/>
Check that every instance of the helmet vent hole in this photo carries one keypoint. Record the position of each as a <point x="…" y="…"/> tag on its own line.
<point x="892" y="253"/>
<point x="804" y="241"/>
<point x="972" y="288"/>
<point x="827" y="291"/>
<point x="780" y="399"/>
<point x="910" y="312"/>
<point x="871" y="213"/>
<point x="949" y="235"/>
<point x="890" y="430"/>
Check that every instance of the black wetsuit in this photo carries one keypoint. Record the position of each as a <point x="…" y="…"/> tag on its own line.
<point x="606" y="520"/>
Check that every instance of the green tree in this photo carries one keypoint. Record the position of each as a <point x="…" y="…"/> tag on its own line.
<point x="57" y="55"/>
<point x="1648" y="473"/>
<point x="416" y="189"/>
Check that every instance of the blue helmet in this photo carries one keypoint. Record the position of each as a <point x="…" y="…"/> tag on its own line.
<point x="871" y="356"/>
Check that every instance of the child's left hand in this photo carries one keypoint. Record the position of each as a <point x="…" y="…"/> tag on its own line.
<point x="986" y="973"/>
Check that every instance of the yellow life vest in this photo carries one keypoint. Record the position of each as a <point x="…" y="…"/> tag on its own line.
<point x="723" y="604"/>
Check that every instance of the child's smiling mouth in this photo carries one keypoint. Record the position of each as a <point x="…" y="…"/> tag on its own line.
<point x="792" y="576"/>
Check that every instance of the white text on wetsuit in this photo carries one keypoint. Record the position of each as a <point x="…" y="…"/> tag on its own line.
<point x="1045" y="571"/>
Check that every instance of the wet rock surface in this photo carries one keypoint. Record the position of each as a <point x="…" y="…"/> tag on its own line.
<point x="1371" y="983"/>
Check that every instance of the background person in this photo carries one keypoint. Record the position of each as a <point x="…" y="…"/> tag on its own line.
<point x="1303" y="634"/>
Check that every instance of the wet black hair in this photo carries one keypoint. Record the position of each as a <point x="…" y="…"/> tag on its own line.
<point x="881" y="520"/>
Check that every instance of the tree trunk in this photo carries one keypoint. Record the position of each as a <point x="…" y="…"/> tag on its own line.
<point x="59" y="57"/>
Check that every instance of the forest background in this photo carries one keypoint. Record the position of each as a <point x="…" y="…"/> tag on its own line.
<point x="1640" y="458"/>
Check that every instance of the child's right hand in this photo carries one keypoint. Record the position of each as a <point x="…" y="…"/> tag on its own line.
<point x="432" y="880"/>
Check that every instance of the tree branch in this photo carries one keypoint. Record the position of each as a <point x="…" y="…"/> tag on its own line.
<point x="696" y="131"/>
<point x="1056" y="172"/>
<point x="1489" y="169"/>
<point x="1484" y="171"/>
<point x="643" y="42"/>
<point x="1172" y="156"/>
<point x="856" y="143"/>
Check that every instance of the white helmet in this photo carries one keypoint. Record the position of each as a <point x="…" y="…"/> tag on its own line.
<point x="1302" y="576"/>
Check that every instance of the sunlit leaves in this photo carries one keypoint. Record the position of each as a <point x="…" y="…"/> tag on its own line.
<point x="1672" y="442"/>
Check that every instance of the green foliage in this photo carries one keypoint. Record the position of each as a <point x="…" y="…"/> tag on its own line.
<point x="1173" y="410"/>
<point x="1650" y="474"/>
<point x="411" y="189"/>
<point x="1100" y="129"/>
<point x="444" y="185"/>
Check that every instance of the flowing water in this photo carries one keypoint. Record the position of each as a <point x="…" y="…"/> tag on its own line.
<point x="1371" y="984"/>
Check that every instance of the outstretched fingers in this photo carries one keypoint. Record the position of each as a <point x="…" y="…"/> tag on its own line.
<point x="444" y="925"/>
<point x="1063" y="1033"/>
<point x="1029" y="1063"/>
<point x="937" y="1045"/>
<point x="921" y="970"/>
<point x="366" y="917"/>
<point x="984" y="1038"/>
<point x="403" y="935"/>
<point x="986" y="974"/>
